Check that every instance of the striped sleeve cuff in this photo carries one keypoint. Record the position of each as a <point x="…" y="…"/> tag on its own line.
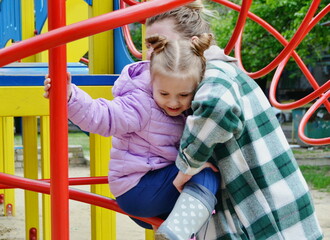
<point x="183" y="165"/>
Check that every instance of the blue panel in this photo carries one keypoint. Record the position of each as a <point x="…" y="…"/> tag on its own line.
<point x="38" y="80"/>
<point x="33" y="74"/>
<point x="41" y="10"/>
<point x="122" y="56"/>
<point x="39" y="69"/>
<point x="90" y="2"/>
<point x="10" y="21"/>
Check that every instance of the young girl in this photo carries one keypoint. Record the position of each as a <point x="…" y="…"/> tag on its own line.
<point x="263" y="193"/>
<point x="146" y="119"/>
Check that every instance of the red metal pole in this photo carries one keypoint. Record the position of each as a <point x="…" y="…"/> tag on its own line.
<point x="306" y="117"/>
<point x="75" y="194"/>
<point x="86" y="28"/>
<point x="72" y="182"/>
<point x="243" y="13"/>
<point x="59" y="185"/>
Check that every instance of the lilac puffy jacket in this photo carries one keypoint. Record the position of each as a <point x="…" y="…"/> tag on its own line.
<point x="144" y="137"/>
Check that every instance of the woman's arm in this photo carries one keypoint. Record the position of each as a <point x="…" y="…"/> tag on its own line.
<point x="217" y="117"/>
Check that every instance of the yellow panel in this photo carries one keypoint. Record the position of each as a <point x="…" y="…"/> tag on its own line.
<point x="149" y="234"/>
<point x="101" y="62"/>
<point x="103" y="220"/>
<point x="1" y="157"/>
<point x="9" y="162"/>
<point x="30" y="156"/>
<point x="76" y="11"/>
<point x="29" y="101"/>
<point x="98" y="91"/>
<point x="101" y="45"/>
<point x="23" y="101"/>
<point x="144" y="48"/>
<point x="45" y="173"/>
<point x="28" y="24"/>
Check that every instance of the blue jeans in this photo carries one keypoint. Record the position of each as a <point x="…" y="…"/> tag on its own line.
<point x="155" y="194"/>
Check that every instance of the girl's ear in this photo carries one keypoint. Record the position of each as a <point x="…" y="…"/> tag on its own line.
<point x="194" y="38"/>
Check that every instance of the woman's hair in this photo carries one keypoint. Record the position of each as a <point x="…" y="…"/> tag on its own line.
<point x="181" y="59"/>
<point x="190" y="20"/>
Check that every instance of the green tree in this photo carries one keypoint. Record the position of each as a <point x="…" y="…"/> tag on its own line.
<point x="259" y="47"/>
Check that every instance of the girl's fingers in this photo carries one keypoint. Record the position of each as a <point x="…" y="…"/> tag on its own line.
<point x="47" y="81"/>
<point x="46" y="95"/>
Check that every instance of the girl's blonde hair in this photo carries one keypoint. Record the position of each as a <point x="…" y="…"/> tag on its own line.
<point x="181" y="59"/>
<point x="190" y="20"/>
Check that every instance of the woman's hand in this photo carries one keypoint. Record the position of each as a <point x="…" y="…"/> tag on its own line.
<point x="181" y="179"/>
<point x="47" y="86"/>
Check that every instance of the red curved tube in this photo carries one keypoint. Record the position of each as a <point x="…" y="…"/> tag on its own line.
<point x="74" y="194"/>
<point x="294" y="42"/>
<point x="86" y="28"/>
<point x="306" y="117"/>
<point x="318" y="90"/>
<point x="282" y="40"/>
<point x="84" y="60"/>
<point x="130" y="2"/>
<point x="128" y="38"/>
<point x="131" y="47"/>
<point x="310" y="97"/>
<point x="244" y="10"/>
<point x="301" y="65"/>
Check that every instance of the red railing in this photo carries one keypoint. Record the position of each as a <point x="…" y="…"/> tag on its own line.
<point x="60" y="34"/>
<point x="280" y="61"/>
<point x="43" y="186"/>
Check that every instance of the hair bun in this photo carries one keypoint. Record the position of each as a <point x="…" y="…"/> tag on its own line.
<point x="196" y="5"/>
<point x="157" y="42"/>
<point x="201" y="43"/>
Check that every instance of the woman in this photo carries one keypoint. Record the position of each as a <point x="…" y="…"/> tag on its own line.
<point x="263" y="193"/>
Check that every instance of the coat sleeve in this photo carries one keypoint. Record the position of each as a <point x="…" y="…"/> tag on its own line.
<point x="124" y="114"/>
<point x="216" y="118"/>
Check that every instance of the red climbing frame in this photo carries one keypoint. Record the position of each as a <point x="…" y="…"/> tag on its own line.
<point x="60" y="34"/>
<point x="54" y="40"/>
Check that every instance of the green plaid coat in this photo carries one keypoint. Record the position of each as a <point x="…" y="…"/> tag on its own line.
<point x="263" y="193"/>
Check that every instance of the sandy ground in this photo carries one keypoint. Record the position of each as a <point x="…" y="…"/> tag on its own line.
<point x="12" y="228"/>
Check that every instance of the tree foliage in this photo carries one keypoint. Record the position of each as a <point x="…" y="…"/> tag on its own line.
<point x="259" y="47"/>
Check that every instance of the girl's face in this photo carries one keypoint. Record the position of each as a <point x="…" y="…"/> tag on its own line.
<point x="173" y="95"/>
<point x="165" y="28"/>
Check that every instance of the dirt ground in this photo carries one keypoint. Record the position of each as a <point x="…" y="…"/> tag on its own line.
<point x="12" y="228"/>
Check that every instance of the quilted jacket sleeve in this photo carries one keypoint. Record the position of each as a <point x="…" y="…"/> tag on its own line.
<point x="124" y="114"/>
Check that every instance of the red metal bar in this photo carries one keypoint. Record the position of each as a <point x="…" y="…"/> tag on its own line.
<point x="86" y="28"/>
<point x="310" y="97"/>
<point x="303" y="68"/>
<point x="283" y="41"/>
<point x="294" y="42"/>
<point x="74" y="194"/>
<point x="306" y="117"/>
<point x="84" y="60"/>
<point x="244" y="10"/>
<point x="130" y="2"/>
<point x="59" y="187"/>
<point x="72" y="182"/>
<point x="128" y="38"/>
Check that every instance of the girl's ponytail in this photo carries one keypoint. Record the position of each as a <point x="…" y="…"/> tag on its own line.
<point x="157" y="42"/>
<point x="201" y="43"/>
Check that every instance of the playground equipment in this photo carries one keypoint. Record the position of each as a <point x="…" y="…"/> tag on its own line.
<point x="60" y="34"/>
